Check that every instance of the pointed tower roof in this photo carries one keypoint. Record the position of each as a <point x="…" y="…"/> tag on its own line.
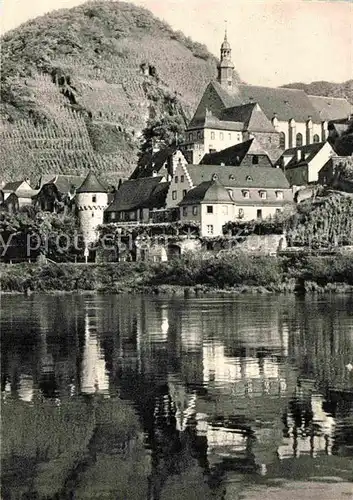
<point x="225" y="44"/>
<point x="91" y="185"/>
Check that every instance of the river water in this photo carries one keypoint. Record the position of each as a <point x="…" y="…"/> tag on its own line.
<point x="121" y="397"/>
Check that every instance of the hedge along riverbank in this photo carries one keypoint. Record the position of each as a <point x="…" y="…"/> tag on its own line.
<point x="227" y="272"/>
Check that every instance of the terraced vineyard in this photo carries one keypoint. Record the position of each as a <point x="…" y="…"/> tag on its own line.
<point x="79" y="85"/>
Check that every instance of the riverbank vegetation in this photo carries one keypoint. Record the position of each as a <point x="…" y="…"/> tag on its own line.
<point x="227" y="271"/>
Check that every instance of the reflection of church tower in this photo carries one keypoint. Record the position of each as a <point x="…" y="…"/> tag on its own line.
<point x="226" y="67"/>
<point x="94" y="377"/>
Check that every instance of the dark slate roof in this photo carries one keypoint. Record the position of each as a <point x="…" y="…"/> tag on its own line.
<point x="310" y="149"/>
<point x="12" y="186"/>
<point x="234" y="155"/>
<point x="146" y="192"/>
<point x="251" y="115"/>
<point x="63" y="183"/>
<point x="260" y="177"/>
<point x="331" y="108"/>
<point x="91" y="185"/>
<point x="149" y="163"/>
<point x="287" y="103"/>
<point x="207" y="192"/>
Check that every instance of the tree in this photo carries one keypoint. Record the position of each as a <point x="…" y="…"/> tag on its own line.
<point x="167" y="130"/>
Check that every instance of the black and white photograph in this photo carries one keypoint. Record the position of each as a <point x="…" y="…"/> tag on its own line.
<point x="176" y="241"/>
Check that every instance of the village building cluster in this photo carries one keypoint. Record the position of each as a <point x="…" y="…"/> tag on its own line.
<point x="247" y="153"/>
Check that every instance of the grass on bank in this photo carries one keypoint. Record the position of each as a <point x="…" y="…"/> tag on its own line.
<point x="229" y="271"/>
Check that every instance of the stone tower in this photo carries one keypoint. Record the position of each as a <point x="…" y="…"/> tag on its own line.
<point x="91" y="201"/>
<point x="225" y="66"/>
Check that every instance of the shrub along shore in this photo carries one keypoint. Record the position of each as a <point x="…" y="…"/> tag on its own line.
<point x="229" y="273"/>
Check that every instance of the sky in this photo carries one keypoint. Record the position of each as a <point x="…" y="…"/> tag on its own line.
<point x="274" y="41"/>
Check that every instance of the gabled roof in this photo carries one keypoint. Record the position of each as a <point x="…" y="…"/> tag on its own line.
<point x="234" y="155"/>
<point x="146" y="192"/>
<point x="259" y="177"/>
<point x="12" y="187"/>
<point x="310" y="151"/>
<point x="64" y="183"/>
<point x="286" y="103"/>
<point x="151" y="162"/>
<point x="91" y="185"/>
<point x="208" y="192"/>
<point x="331" y="108"/>
<point x="251" y="115"/>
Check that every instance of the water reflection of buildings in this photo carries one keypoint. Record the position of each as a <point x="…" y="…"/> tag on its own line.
<point x="94" y="375"/>
<point x="209" y="379"/>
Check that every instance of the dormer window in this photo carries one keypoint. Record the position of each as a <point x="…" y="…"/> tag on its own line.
<point x="279" y="195"/>
<point x="263" y="195"/>
<point x="214" y="177"/>
<point x="248" y="178"/>
<point x="255" y="160"/>
<point x="231" y="177"/>
<point x="246" y="193"/>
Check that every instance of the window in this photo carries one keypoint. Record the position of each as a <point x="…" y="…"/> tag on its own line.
<point x="225" y="209"/>
<point x="92" y="214"/>
<point x="181" y="178"/>
<point x="212" y="136"/>
<point x="176" y="179"/>
<point x="184" y="192"/>
<point x="94" y="198"/>
<point x="112" y="216"/>
<point x="279" y="195"/>
<point x="174" y="195"/>
<point x="259" y="214"/>
<point x="209" y="229"/>
<point x="199" y="135"/>
<point x="210" y="209"/>
<point x="299" y="140"/>
<point x="255" y="160"/>
<point x="194" y="211"/>
<point x="230" y="136"/>
<point x="185" y="211"/>
<point x="190" y="137"/>
<point x="221" y="136"/>
<point x="241" y="213"/>
<point x="282" y="140"/>
<point x="263" y="195"/>
<point x="246" y="194"/>
<point x="278" y="211"/>
<point x="316" y="138"/>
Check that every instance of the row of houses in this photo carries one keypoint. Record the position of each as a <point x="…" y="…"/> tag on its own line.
<point x="239" y="183"/>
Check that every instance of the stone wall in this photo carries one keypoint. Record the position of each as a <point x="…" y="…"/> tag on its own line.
<point x="263" y="244"/>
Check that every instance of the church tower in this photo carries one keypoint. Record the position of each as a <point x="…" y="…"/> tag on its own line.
<point x="225" y="66"/>
<point x="91" y="201"/>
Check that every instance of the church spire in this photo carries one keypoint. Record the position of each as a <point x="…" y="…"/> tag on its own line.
<point x="226" y="67"/>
